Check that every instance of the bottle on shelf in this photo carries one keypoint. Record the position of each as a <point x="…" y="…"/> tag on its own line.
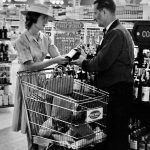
<point x="4" y="30"/>
<point x="5" y="53"/>
<point x="148" y="144"/>
<point x="136" y="87"/>
<point x="142" y="143"/>
<point x="1" y="53"/>
<point x="145" y="83"/>
<point x="134" y="140"/>
<point x="130" y="128"/>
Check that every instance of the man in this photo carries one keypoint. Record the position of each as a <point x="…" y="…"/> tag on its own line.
<point x="112" y="65"/>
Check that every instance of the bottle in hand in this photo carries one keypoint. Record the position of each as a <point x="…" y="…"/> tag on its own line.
<point x="74" y="54"/>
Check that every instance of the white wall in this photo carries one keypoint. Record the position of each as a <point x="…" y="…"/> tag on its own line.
<point x="146" y="12"/>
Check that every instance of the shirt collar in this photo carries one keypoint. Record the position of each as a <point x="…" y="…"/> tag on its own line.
<point x="107" y="28"/>
<point x="30" y="37"/>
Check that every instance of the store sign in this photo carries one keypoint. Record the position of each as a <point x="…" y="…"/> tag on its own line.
<point x="69" y="25"/>
<point x="66" y="41"/>
<point x="141" y="34"/>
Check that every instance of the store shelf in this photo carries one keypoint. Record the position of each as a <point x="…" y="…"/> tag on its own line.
<point x="5" y="106"/>
<point x="132" y="20"/>
<point x="6" y="39"/>
<point x="5" y="84"/>
<point x="5" y="62"/>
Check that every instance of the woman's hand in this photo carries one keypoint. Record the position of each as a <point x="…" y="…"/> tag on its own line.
<point x="61" y="60"/>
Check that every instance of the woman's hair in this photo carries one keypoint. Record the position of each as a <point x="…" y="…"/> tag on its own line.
<point x="31" y="17"/>
<point x="108" y="4"/>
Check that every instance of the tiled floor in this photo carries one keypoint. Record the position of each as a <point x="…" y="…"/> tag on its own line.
<point x="10" y="140"/>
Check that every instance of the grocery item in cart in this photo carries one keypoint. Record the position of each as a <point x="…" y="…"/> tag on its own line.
<point x="64" y="110"/>
<point x="45" y="130"/>
<point x="82" y="130"/>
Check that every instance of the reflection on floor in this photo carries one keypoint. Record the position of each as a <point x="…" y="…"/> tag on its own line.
<point x="10" y="140"/>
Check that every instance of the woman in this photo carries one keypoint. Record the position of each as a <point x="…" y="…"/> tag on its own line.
<point x="32" y="47"/>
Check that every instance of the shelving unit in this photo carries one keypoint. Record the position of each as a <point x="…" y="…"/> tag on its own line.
<point x="5" y="65"/>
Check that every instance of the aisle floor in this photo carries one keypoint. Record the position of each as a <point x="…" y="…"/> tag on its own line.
<point x="10" y="140"/>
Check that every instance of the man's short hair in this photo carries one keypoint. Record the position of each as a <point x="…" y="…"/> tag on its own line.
<point x="108" y="4"/>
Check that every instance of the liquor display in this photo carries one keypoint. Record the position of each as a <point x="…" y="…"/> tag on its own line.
<point x="139" y="130"/>
<point x="5" y="64"/>
<point x="139" y="135"/>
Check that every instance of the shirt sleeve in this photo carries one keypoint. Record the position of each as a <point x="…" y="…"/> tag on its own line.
<point x="53" y="50"/>
<point x="107" y="55"/>
<point x="23" y="50"/>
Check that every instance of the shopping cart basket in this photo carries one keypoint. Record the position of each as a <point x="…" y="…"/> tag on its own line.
<point x="63" y="111"/>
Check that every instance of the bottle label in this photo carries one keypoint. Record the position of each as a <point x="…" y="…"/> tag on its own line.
<point x="71" y="53"/>
<point x="142" y="146"/>
<point x="136" y="92"/>
<point x="148" y="146"/>
<point x="133" y="144"/>
<point x="145" y="94"/>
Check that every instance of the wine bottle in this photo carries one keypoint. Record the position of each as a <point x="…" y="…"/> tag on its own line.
<point x="136" y="87"/>
<point x="134" y="140"/>
<point x="142" y="144"/>
<point x="145" y="88"/>
<point x="74" y="54"/>
<point x="4" y="30"/>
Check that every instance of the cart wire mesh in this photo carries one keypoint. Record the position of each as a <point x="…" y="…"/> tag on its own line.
<point x="62" y="110"/>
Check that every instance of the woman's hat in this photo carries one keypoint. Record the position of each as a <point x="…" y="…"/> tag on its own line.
<point x="39" y="8"/>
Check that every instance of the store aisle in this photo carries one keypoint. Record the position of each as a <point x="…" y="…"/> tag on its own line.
<point x="10" y="140"/>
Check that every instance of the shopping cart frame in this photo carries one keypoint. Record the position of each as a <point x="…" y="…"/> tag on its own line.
<point x="46" y="142"/>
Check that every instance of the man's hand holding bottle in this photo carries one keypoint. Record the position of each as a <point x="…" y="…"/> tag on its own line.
<point x="77" y="55"/>
<point x="78" y="61"/>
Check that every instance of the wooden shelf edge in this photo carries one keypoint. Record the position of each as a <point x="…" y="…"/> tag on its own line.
<point x="6" y="106"/>
<point x="4" y="39"/>
<point x="7" y="84"/>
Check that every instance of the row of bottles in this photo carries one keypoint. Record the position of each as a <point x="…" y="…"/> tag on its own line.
<point x="6" y="97"/>
<point x="4" y="52"/>
<point x="141" y="73"/>
<point x="139" y="135"/>
<point x="80" y="74"/>
<point x="3" y="31"/>
<point x="142" y="86"/>
<point x="4" y="74"/>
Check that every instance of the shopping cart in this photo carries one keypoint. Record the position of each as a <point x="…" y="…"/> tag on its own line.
<point x="63" y="111"/>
